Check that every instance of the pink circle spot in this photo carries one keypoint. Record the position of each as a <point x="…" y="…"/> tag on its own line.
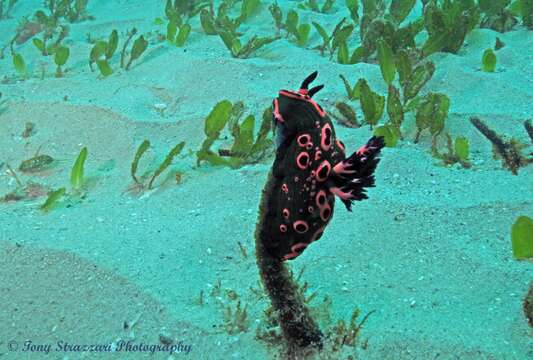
<point x="286" y="213"/>
<point x="304" y="140"/>
<point x="298" y="247"/>
<point x="300" y="226"/>
<point x="325" y="213"/>
<point x="325" y="137"/>
<point x="302" y="160"/>
<point x="323" y="170"/>
<point x="285" y="188"/>
<point x="321" y="198"/>
<point x="283" y="228"/>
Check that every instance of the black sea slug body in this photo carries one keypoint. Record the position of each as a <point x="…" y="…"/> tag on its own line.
<point x="310" y="169"/>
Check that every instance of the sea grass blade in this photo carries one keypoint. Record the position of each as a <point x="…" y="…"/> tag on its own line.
<point x="76" y="174"/>
<point x="52" y="199"/>
<point x="168" y="160"/>
<point x="140" y="151"/>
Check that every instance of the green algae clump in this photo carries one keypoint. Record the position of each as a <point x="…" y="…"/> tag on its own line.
<point x="488" y="61"/>
<point x="522" y="238"/>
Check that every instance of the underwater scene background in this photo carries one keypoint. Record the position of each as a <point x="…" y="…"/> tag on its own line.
<point x="136" y="139"/>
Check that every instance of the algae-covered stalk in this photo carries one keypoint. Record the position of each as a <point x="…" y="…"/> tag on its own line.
<point x="510" y="151"/>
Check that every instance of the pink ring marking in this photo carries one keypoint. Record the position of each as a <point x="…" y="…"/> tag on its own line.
<point x="302" y="156"/>
<point x="325" y="139"/>
<point x="299" y="246"/>
<point x="304" y="140"/>
<point x="325" y="213"/>
<point x="286" y="213"/>
<point x="283" y="228"/>
<point x="300" y="226"/>
<point x="296" y="250"/>
<point x="323" y="170"/>
<point x="321" y="194"/>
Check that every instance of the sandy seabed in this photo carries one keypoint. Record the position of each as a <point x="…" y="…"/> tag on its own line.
<point x="430" y="250"/>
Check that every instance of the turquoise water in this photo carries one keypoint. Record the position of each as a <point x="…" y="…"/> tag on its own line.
<point x="102" y="259"/>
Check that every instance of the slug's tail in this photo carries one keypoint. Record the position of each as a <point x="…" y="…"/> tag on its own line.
<point x="353" y="175"/>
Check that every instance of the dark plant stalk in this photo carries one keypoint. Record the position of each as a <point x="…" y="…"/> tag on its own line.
<point x="417" y="136"/>
<point x="529" y="129"/>
<point x="131" y="34"/>
<point x="507" y="150"/>
<point x="490" y="134"/>
<point x="528" y="305"/>
<point x="298" y="327"/>
<point x="62" y="35"/>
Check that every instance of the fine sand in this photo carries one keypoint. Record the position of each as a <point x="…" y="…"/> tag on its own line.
<point x="430" y="251"/>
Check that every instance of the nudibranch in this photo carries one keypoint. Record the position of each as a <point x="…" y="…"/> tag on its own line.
<point x="310" y="169"/>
